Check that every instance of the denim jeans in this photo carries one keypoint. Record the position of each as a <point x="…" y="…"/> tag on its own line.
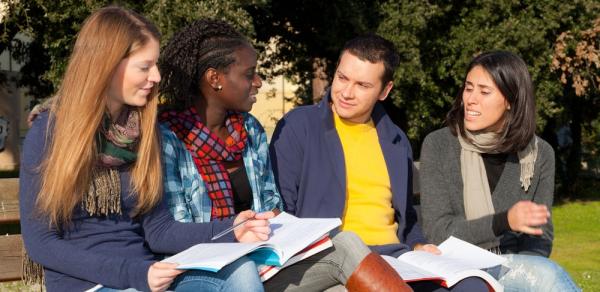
<point x="532" y="273"/>
<point x="239" y="276"/>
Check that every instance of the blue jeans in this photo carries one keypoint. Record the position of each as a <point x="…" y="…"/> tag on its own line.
<point x="532" y="273"/>
<point x="239" y="276"/>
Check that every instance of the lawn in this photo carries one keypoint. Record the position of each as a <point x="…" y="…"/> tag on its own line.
<point x="577" y="242"/>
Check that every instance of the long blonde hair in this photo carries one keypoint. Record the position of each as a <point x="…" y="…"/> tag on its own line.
<point x="108" y="36"/>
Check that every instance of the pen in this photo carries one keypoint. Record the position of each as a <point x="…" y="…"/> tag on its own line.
<point x="232" y="228"/>
<point x="235" y="226"/>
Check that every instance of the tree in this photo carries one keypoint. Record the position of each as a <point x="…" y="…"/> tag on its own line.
<point x="303" y="37"/>
<point x="576" y="58"/>
<point x="439" y="38"/>
<point x="53" y="25"/>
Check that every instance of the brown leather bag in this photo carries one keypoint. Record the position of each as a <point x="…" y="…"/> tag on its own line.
<point x="375" y="274"/>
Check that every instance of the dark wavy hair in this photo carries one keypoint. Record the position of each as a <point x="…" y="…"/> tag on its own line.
<point x="204" y="44"/>
<point x="512" y="78"/>
<point x="374" y="49"/>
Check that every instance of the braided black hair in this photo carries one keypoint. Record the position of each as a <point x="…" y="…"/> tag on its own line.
<point x="204" y="44"/>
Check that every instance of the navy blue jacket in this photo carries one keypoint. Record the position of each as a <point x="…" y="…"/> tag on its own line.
<point x="308" y="161"/>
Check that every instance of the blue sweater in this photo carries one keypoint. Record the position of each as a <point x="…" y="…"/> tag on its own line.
<point x="114" y="251"/>
<point x="308" y="161"/>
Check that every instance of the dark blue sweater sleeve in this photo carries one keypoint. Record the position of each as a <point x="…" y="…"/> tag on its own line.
<point x="286" y="156"/>
<point x="164" y="235"/>
<point x="45" y="246"/>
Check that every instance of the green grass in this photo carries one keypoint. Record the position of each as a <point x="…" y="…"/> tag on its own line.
<point x="577" y="242"/>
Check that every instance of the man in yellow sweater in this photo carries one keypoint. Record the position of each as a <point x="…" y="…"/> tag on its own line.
<point x="345" y="158"/>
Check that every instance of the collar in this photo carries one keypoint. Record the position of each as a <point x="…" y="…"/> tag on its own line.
<point x="386" y="129"/>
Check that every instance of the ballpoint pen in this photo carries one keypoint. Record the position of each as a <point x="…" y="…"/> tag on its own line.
<point x="235" y="226"/>
<point x="232" y="228"/>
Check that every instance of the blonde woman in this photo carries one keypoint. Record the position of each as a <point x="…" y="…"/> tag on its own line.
<point x="91" y="193"/>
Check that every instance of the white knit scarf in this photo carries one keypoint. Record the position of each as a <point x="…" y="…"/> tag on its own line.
<point x="476" y="189"/>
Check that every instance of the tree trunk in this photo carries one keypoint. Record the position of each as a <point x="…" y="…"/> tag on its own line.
<point x="574" y="158"/>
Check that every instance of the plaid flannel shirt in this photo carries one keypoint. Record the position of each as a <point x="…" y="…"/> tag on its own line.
<point x="185" y="190"/>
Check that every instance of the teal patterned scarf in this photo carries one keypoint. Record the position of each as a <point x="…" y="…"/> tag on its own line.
<point x="117" y="142"/>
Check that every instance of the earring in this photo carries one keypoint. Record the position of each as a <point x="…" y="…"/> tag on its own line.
<point x="508" y="108"/>
<point x="219" y="87"/>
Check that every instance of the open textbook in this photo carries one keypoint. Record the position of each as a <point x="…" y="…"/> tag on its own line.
<point x="265" y="272"/>
<point x="289" y="236"/>
<point x="459" y="260"/>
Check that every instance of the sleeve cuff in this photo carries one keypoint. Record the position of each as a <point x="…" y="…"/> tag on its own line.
<point x="221" y="225"/>
<point x="500" y="223"/>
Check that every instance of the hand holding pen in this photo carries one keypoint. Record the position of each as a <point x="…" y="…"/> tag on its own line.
<point x="250" y="226"/>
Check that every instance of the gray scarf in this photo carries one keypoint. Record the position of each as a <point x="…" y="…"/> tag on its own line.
<point x="476" y="189"/>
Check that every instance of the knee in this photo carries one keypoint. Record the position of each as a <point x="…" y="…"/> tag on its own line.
<point x="242" y="267"/>
<point x="241" y="274"/>
<point x="545" y="268"/>
<point x="538" y="271"/>
<point x="349" y="242"/>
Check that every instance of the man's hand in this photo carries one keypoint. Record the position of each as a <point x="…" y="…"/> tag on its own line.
<point x="430" y="248"/>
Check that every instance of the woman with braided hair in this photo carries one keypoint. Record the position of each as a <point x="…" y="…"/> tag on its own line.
<point x="90" y="184"/>
<point x="216" y="160"/>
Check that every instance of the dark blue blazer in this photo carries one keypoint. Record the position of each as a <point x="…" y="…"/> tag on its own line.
<point x="308" y="161"/>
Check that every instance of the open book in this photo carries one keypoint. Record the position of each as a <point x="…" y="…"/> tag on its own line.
<point x="289" y="236"/>
<point x="459" y="260"/>
<point x="265" y="272"/>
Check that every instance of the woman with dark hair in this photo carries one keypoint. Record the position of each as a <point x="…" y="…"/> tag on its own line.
<point x="216" y="158"/>
<point x="488" y="179"/>
<point x="90" y="183"/>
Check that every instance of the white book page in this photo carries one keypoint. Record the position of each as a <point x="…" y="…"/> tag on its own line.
<point x="407" y="271"/>
<point x="471" y="256"/>
<point x="436" y="264"/>
<point x="458" y="260"/>
<point x="211" y="256"/>
<point x="291" y="234"/>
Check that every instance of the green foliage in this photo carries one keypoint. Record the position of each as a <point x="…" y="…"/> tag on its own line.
<point x="436" y="40"/>
<point x="305" y="32"/>
<point x="52" y="27"/>
<point x="171" y="15"/>
<point x="439" y="38"/>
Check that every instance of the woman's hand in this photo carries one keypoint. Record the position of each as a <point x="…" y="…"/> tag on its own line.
<point x="527" y="216"/>
<point x="161" y="275"/>
<point x="256" y="228"/>
<point x="430" y="248"/>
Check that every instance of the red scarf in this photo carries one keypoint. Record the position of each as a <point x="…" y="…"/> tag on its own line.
<point x="210" y="152"/>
